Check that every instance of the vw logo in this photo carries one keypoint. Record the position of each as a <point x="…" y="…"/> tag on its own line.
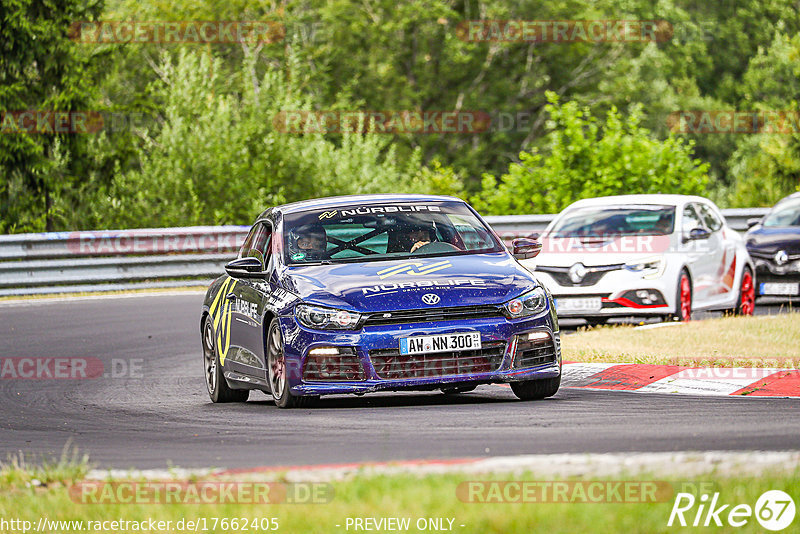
<point x="781" y="257"/>
<point x="430" y="299"/>
<point x="577" y="272"/>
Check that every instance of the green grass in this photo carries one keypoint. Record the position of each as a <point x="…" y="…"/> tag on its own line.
<point x="30" y="471"/>
<point x="761" y="341"/>
<point x="408" y="496"/>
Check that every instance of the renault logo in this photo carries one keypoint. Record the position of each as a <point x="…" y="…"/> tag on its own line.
<point x="577" y="272"/>
<point x="430" y="299"/>
<point x="781" y="257"/>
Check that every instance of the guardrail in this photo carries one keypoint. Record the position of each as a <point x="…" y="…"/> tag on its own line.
<point x="108" y="260"/>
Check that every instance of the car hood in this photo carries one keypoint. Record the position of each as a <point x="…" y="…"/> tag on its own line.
<point x="400" y="284"/>
<point x="771" y="240"/>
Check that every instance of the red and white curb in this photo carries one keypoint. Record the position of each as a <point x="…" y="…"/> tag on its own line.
<point x="645" y="378"/>
<point x="628" y="464"/>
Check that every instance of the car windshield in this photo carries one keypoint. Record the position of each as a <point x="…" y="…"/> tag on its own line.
<point x="385" y="231"/>
<point x="786" y="213"/>
<point x="602" y="221"/>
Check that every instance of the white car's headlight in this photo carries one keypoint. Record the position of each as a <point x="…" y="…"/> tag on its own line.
<point x="649" y="267"/>
<point x="531" y="303"/>
<point x="647" y="264"/>
<point x="326" y="318"/>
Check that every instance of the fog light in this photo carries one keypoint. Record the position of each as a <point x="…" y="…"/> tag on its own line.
<point x="324" y="351"/>
<point x="538" y="336"/>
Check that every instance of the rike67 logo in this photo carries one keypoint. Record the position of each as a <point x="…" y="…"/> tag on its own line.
<point x="774" y="510"/>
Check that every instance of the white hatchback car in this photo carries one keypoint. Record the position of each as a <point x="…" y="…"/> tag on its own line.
<point x="644" y="255"/>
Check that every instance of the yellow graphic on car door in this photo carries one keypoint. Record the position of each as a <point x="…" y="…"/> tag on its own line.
<point x="222" y="320"/>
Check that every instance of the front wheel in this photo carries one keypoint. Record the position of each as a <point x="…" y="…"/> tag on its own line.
<point x="278" y="371"/>
<point x="217" y="387"/>
<point x="683" y="299"/>
<point x="536" y="389"/>
<point x="746" y="304"/>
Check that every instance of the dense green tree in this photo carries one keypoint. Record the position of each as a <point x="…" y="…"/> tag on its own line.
<point x="377" y="55"/>
<point x="41" y="69"/>
<point x="766" y="166"/>
<point x="582" y="159"/>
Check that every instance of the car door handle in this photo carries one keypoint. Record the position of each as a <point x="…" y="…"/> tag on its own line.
<point x="230" y="296"/>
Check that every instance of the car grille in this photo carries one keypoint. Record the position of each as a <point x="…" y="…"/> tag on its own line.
<point x="334" y="367"/>
<point x="389" y="364"/>
<point x="536" y="352"/>
<point x="594" y="274"/>
<point x="431" y="315"/>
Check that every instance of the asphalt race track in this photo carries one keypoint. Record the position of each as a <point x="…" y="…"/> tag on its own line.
<point x="166" y="418"/>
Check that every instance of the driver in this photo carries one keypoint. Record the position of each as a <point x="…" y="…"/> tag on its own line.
<point x="664" y="224"/>
<point x="419" y="236"/>
<point x="309" y="242"/>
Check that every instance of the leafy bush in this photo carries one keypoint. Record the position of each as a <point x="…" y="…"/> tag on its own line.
<point x="219" y="159"/>
<point x="581" y="159"/>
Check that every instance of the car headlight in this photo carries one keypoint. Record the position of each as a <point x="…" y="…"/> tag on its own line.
<point x="531" y="303"/>
<point x="325" y="318"/>
<point x="647" y="264"/>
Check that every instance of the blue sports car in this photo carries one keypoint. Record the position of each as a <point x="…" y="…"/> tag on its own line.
<point x="381" y="292"/>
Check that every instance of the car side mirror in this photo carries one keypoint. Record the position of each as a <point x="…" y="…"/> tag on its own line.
<point x="752" y="222"/>
<point x="523" y="248"/>
<point x="697" y="234"/>
<point x="245" y="268"/>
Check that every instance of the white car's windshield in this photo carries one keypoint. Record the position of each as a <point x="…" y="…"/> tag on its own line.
<point x="603" y="221"/>
<point x="385" y="231"/>
<point x="784" y="214"/>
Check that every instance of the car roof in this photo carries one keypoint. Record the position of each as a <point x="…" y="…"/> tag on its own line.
<point x="348" y="200"/>
<point x="789" y="197"/>
<point x="670" y="200"/>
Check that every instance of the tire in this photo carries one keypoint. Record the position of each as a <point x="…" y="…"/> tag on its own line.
<point x="277" y="373"/>
<point x="536" y="389"/>
<point x="746" y="303"/>
<point x="683" y="299"/>
<point x="218" y="389"/>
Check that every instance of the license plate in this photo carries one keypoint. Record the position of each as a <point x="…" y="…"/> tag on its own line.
<point x="776" y="288"/>
<point x="583" y="304"/>
<point x="440" y="343"/>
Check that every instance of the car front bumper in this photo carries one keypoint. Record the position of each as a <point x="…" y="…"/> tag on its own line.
<point x="511" y="334"/>
<point x="621" y="293"/>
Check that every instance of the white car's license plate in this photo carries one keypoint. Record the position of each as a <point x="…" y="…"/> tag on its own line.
<point x="440" y="343"/>
<point x="779" y="288"/>
<point x="583" y="304"/>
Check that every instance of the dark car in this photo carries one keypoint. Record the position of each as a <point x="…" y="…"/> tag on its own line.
<point x="774" y="244"/>
<point x="380" y="292"/>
